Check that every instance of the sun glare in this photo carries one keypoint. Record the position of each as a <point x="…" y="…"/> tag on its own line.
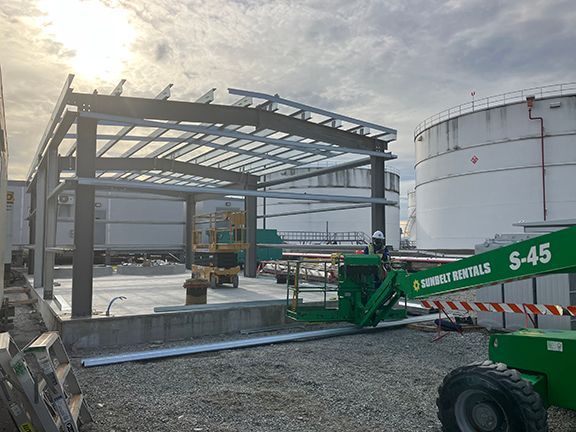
<point x="98" y="36"/>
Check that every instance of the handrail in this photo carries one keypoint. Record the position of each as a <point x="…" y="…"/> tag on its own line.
<point x="561" y="89"/>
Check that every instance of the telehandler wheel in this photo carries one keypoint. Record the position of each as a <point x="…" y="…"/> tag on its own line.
<point x="489" y="397"/>
<point x="235" y="281"/>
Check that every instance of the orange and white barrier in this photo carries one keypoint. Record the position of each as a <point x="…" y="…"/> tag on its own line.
<point x="523" y="308"/>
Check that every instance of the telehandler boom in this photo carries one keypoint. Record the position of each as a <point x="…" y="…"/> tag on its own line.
<point x="528" y="370"/>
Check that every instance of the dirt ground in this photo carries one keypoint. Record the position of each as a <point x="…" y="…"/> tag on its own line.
<point x="382" y="381"/>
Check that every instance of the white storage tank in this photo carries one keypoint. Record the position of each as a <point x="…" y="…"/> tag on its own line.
<point x="480" y="167"/>
<point x="354" y="182"/>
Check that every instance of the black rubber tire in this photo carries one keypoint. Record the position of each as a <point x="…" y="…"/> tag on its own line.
<point x="514" y="405"/>
<point x="235" y="281"/>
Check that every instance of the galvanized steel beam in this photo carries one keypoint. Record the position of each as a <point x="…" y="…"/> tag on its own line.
<point x="156" y="188"/>
<point x="307" y="108"/>
<point x="246" y="343"/>
<point x="250" y="206"/>
<point x="189" y="226"/>
<point x="378" y="178"/>
<point x="83" y="258"/>
<point x="50" y="221"/>
<point x="322" y="210"/>
<point x="164" y="94"/>
<point x="161" y="164"/>
<point x="39" y="214"/>
<point x="298" y="145"/>
<point x="221" y="114"/>
<point x="52" y="123"/>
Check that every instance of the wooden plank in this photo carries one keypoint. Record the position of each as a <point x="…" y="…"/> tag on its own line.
<point x="62" y="372"/>
<point x="17" y="290"/>
<point x="75" y="405"/>
<point x="22" y="302"/>
<point x="45" y="340"/>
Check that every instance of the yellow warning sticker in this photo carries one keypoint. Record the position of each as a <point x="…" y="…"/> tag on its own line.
<point x="27" y="427"/>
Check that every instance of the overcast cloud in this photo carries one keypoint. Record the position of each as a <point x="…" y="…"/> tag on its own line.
<point x="393" y="62"/>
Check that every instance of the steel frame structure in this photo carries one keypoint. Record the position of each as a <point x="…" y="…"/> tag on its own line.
<point x="190" y="150"/>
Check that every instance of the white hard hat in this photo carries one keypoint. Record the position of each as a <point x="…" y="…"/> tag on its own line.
<point x="378" y="235"/>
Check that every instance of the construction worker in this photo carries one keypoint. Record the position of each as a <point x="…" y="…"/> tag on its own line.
<point x="378" y="247"/>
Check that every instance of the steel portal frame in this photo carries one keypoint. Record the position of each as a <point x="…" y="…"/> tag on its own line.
<point x="189" y="150"/>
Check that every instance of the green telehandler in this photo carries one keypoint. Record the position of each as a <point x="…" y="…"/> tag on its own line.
<point x="528" y="371"/>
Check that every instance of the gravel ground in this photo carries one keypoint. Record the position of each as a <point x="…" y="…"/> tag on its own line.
<point x="382" y="381"/>
<point x="379" y="381"/>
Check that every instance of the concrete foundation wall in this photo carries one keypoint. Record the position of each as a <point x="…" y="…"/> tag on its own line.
<point x="106" y="332"/>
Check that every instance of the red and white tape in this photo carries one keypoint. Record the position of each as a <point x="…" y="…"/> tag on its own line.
<point x="535" y="309"/>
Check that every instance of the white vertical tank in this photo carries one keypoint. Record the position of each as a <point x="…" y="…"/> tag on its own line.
<point x="479" y="167"/>
<point x="354" y="182"/>
<point x="410" y="231"/>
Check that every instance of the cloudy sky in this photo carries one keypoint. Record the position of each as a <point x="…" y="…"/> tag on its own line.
<point x="393" y="62"/>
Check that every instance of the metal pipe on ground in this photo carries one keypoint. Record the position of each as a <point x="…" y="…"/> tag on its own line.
<point x="246" y="343"/>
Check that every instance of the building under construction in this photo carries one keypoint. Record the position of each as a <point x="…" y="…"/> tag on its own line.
<point x="99" y="150"/>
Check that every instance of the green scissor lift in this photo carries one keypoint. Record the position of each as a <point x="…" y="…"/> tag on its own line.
<point x="528" y="371"/>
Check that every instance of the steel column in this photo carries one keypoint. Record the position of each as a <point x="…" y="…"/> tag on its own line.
<point x="39" y="226"/>
<point x="377" y="176"/>
<point x="50" y="221"/>
<point x="190" y="213"/>
<point x="83" y="260"/>
<point x="251" y="226"/>
<point x="32" y="229"/>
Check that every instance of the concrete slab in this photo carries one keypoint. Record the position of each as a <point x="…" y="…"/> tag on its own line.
<point x="144" y="293"/>
<point x="257" y="303"/>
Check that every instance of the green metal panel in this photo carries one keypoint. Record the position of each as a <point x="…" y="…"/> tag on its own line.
<point x="550" y="253"/>
<point x="365" y="300"/>
<point x="548" y="353"/>
<point x="264" y="236"/>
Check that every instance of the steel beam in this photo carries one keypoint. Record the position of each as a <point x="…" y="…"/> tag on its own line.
<point x="307" y="108"/>
<point x="316" y="173"/>
<point x="51" y="220"/>
<point x="165" y="165"/>
<point x="188" y="239"/>
<point x="153" y="136"/>
<point x="32" y="229"/>
<point x="52" y="123"/>
<point x="163" y="188"/>
<point x="250" y="206"/>
<point x="221" y="114"/>
<point x="39" y="214"/>
<point x="83" y="258"/>
<point x="246" y="343"/>
<point x="322" y="210"/>
<point x="377" y="176"/>
<point x="336" y="148"/>
<point x="164" y="94"/>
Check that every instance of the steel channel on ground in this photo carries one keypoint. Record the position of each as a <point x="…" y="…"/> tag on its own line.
<point x="246" y="343"/>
